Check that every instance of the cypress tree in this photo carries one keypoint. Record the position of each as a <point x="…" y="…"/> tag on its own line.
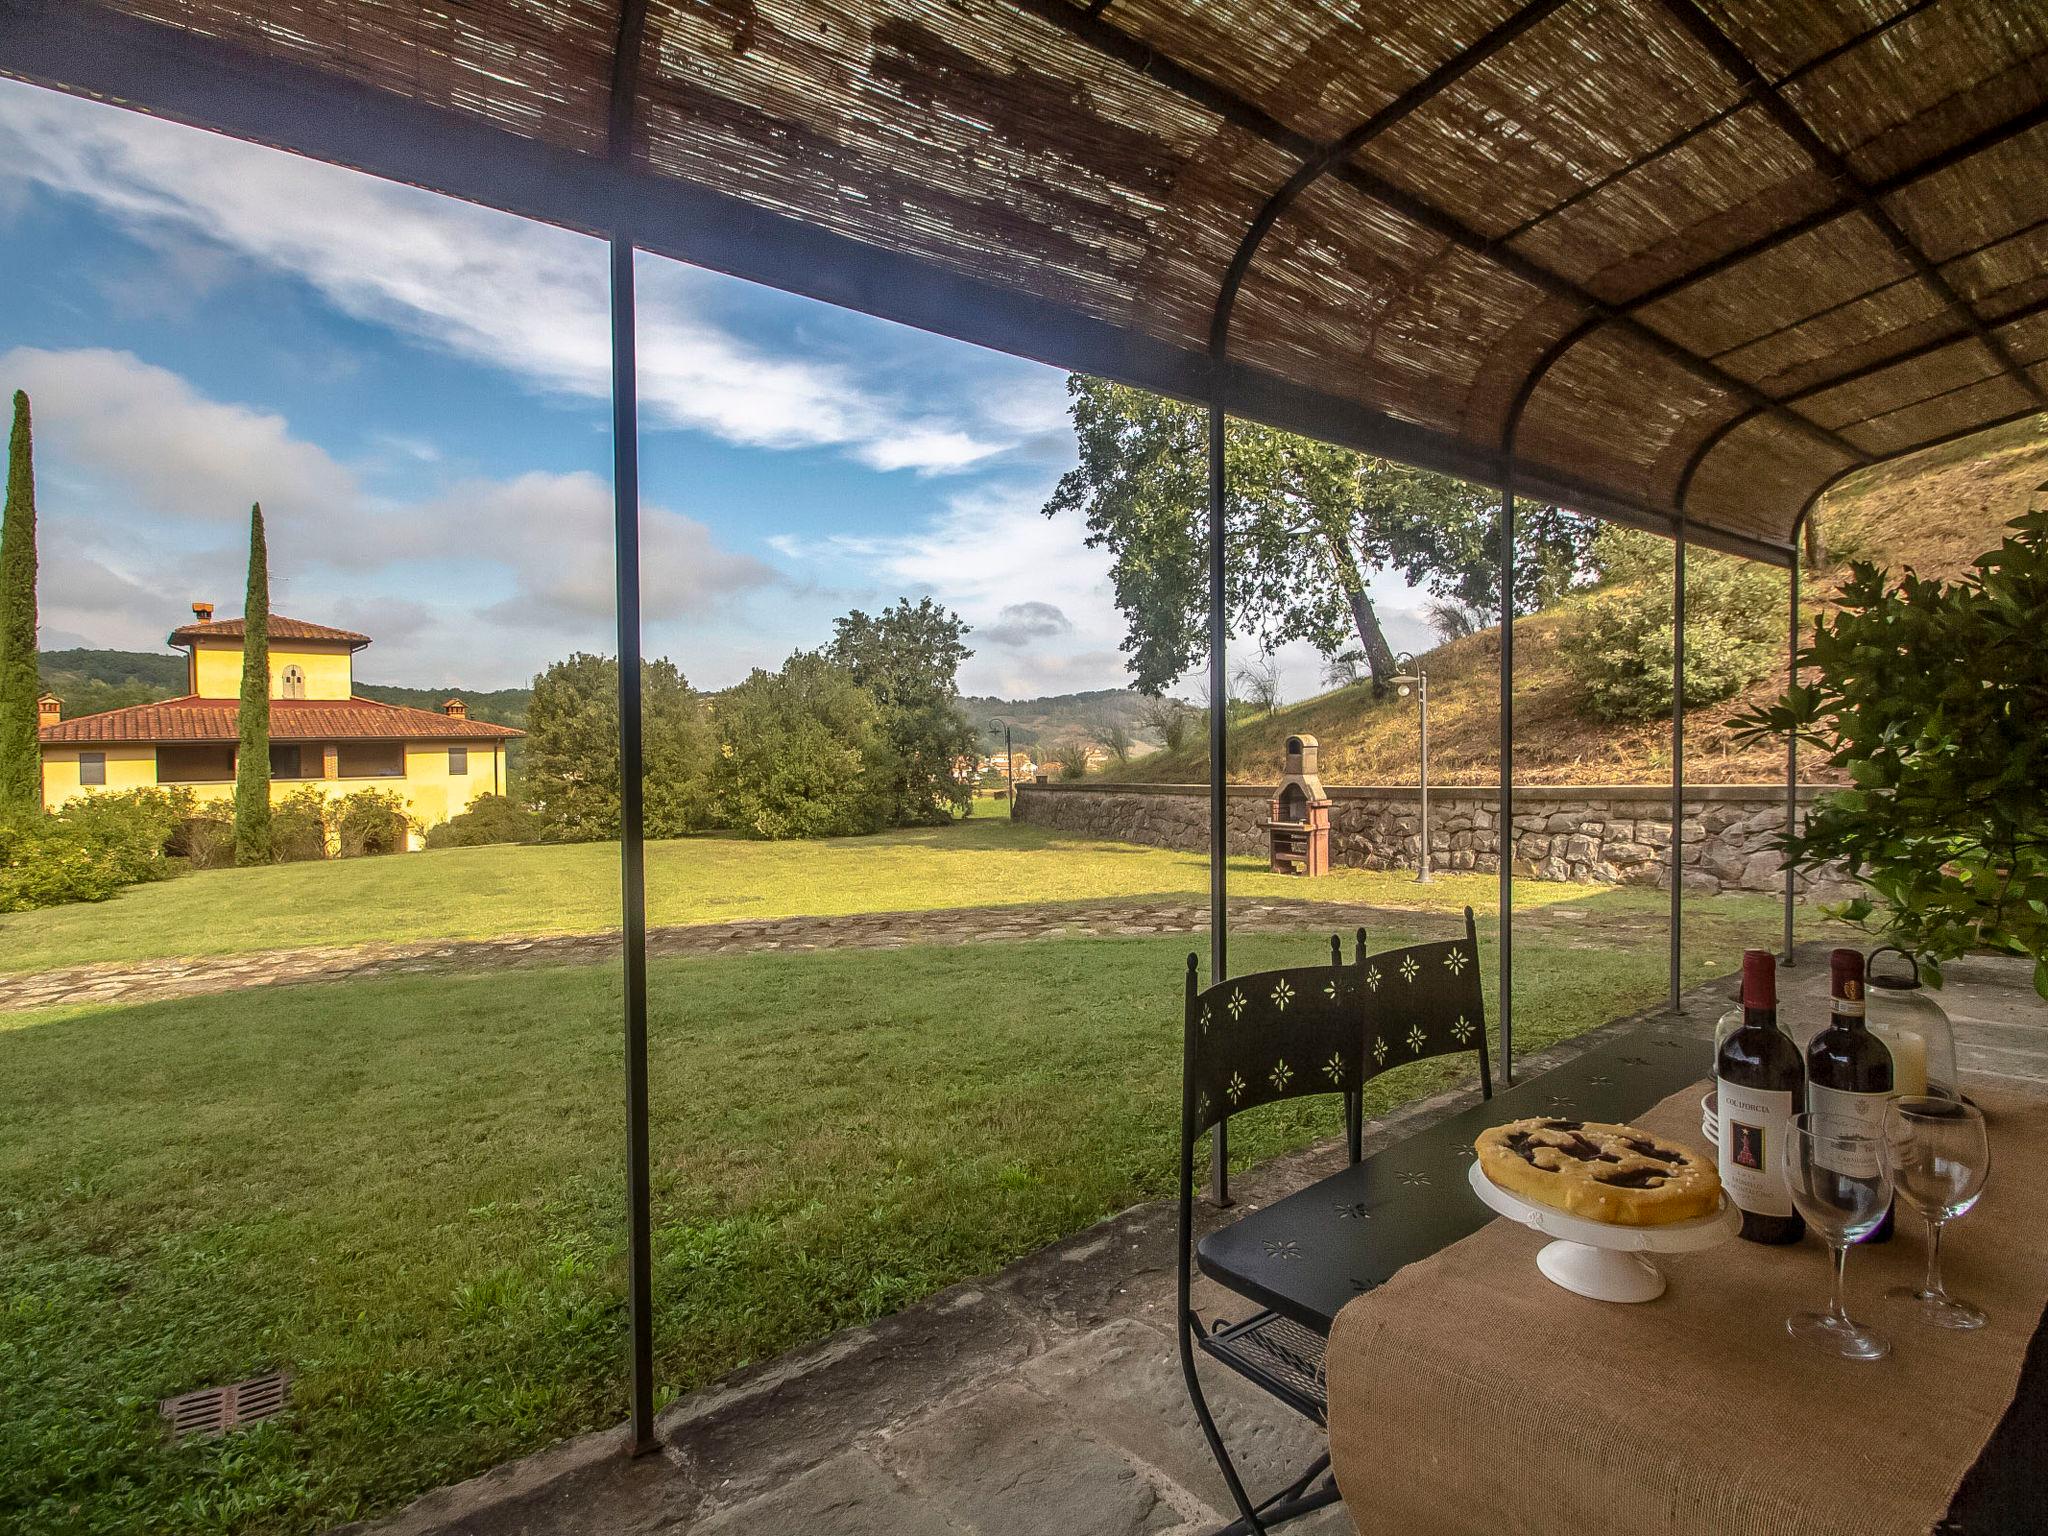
<point x="21" y="771"/>
<point x="252" y="768"/>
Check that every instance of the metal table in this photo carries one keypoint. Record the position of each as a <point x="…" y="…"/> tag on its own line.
<point x="1309" y="1254"/>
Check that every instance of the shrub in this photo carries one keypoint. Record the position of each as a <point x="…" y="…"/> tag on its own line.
<point x="489" y="819"/>
<point x="1618" y="649"/>
<point x="370" y="821"/>
<point x="91" y="848"/>
<point x="1071" y="758"/>
<point x="299" y="826"/>
<point x="1930" y="696"/>
<point x="206" y="841"/>
<point x="137" y="828"/>
<point x="45" y="862"/>
<point x="1173" y="720"/>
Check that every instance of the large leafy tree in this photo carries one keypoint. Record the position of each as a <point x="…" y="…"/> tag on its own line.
<point x="252" y="762"/>
<point x="21" y="773"/>
<point x="803" y="752"/>
<point x="1306" y="525"/>
<point x="909" y="658"/>
<point x="1932" y="697"/>
<point x="572" y="750"/>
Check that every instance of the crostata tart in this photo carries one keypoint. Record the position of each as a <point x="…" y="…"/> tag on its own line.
<point x="1610" y="1173"/>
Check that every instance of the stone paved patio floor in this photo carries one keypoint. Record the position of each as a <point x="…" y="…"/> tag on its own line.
<point x="1043" y="1401"/>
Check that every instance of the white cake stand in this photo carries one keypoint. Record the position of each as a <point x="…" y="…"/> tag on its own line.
<point x="1599" y="1259"/>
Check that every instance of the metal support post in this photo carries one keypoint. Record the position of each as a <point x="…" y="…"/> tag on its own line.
<point x="1677" y="764"/>
<point x="1504" y="831"/>
<point x="1791" y="744"/>
<point x="632" y="846"/>
<point x="1422" y="706"/>
<point x="1219" y="822"/>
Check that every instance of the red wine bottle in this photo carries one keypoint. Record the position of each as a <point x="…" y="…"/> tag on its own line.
<point x="1848" y="1069"/>
<point x="1760" y="1085"/>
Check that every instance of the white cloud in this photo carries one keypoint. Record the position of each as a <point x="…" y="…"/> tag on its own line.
<point x="517" y="295"/>
<point x="146" y="486"/>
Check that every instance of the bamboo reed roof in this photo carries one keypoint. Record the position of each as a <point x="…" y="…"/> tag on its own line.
<point x="1662" y="257"/>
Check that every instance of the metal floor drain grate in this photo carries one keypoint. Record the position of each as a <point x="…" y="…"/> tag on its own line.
<point x="214" y="1411"/>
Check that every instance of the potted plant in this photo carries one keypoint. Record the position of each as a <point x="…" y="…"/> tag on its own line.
<point x="1932" y="698"/>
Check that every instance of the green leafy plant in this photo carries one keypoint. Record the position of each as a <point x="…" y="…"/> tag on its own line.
<point x="301" y="826"/>
<point x="1070" y="758"/>
<point x="803" y="752"/>
<point x="92" y="848"/>
<point x="370" y="821"/>
<point x="489" y="819"/>
<point x="1933" y="698"/>
<point x="1618" y="647"/>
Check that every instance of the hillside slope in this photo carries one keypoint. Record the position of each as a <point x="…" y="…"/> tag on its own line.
<point x="1936" y="512"/>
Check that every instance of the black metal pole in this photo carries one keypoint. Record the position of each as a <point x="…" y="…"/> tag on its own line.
<point x="632" y="831"/>
<point x="1219" y="820"/>
<point x="1504" y="831"/>
<point x="1010" y="767"/>
<point x="1791" y="741"/>
<point x="1422" y="708"/>
<point x="1677" y="761"/>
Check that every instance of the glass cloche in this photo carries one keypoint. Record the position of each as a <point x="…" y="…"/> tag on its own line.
<point x="1903" y="1013"/>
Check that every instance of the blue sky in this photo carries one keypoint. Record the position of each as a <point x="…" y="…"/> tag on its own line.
<point x="417" y="391"/>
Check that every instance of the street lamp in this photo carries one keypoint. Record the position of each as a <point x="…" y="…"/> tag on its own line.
<point x="1009" y="765"/>
<point x="1413" y="676"/>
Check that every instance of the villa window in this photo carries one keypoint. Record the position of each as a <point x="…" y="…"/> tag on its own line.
<point x="294" y="683"/>
<point x="92" y="767"/>
<point x="195" y="764"/>
<point x="458" y="762"/>
<point x="370" y="760"/>
<point x="292" y="761"/>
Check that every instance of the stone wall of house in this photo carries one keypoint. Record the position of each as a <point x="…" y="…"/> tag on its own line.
<point x="1601" y="834"/>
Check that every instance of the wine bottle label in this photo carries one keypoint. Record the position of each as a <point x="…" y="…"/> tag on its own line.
<point x="1753" y="1146"/>
<point x="1842" y="1113"/>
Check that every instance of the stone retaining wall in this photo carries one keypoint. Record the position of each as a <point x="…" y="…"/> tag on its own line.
<point x="1604" y="834"/>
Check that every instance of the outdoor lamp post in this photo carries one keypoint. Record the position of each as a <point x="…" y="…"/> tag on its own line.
<point x="1413" y="675"/>
<point x="1009" y="767"/>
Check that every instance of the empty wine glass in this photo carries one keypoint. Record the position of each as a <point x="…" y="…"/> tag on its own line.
<point x="1841" y="1185"/>
<point x="1939" y="1158"/>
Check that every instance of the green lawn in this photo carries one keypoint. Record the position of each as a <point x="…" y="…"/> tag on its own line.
<point x="482" y="892"/>
<point x="408" y="1192"/>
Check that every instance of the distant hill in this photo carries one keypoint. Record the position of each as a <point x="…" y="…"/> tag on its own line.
<point x="1058" y="717"/>
<point x="90" y="681"/>
<point x="1936" y="512"/>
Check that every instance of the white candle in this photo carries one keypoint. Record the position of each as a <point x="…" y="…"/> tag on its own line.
<point x="1909" y="1061"/>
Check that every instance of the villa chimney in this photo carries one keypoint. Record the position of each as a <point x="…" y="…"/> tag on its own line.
<point x="202" y="612"/>
<point x="455" y="709"/>
<point x="49" y="711"/>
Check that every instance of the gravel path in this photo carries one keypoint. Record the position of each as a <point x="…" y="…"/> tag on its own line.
<point x="156" y="980"/>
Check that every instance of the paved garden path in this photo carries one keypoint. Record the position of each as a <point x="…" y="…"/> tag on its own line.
<point x="156" y="980"/>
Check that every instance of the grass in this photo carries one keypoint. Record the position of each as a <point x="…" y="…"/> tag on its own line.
<point x="461" y="893"/>
<point x="408" y="1192"/>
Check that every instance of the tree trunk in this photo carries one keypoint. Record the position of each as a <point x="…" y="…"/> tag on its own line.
<point x="1379" y="656"/>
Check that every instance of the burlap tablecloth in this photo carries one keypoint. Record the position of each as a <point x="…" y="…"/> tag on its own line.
<point x="1471" y="1394"/>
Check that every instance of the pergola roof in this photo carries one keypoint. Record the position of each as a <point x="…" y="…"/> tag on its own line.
<point x="1660" y="257"/>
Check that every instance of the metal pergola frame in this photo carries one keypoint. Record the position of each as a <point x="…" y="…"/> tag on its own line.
<point x="292" y="105"/>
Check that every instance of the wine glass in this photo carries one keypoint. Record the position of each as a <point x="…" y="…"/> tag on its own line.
<point x="1939" y="1158"/>
<point x="1841" y="1184"/>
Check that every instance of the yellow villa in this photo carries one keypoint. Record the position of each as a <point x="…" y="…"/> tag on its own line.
<point x="321" y="733"/>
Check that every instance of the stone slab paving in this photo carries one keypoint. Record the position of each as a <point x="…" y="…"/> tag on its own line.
<point x="159" y="980"/>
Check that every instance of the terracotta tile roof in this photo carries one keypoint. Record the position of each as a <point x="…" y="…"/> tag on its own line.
<point x="281" y="628"/>
<point x="197" y="719"/>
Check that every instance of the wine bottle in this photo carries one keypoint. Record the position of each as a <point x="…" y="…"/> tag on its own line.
<point x="1849" y="1070"/>
<point x="1760" y="1084"/>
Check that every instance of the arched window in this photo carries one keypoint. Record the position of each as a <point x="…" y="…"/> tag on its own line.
<point x="294" y="683"/>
